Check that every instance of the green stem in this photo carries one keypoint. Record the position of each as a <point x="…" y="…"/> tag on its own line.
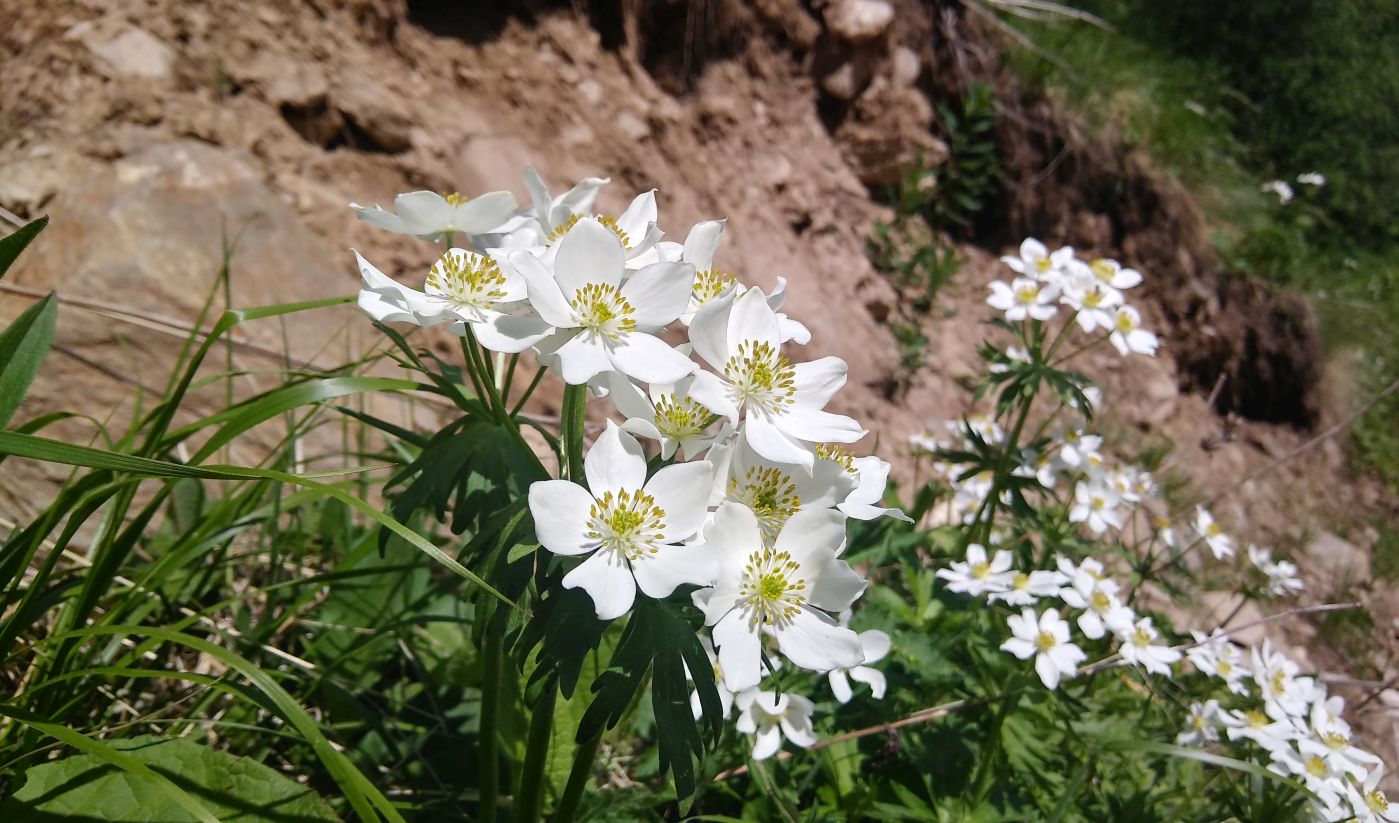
<point x="483" y="368"/>
<point x="575" y="401"/>
<point x="529" y="391"/>
<point x="470" y="366"/>
<point x="509" y="378"/>
<point x="993" y="498"/>
<point x="489" y="760"/>
<point x="578" y="779"/>
<point x="529" y="800"/>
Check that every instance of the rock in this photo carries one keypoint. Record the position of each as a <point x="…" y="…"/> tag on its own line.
<point x="859" y="21"/>
<point x="303" y="86"/>
<point x="632" y="127"/>
<point x="847" y="80"/>
<point x="382" y="117"/>
<point x="129" y="53"/>
<point x="1338" y="561"/>
<point x="887" y="134"/>
<point x="905" y="66"/>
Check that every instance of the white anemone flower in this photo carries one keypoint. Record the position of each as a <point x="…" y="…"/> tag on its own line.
<point x="432" y="216"/>
<point x="1077" y="446"/>
<point x="1216" y="656"/>
<point x="872" y="475"/>
<point x="1331" y="738"/>
<point x="1128" y="336"/>
<point x="1221" y="544"/>
<point x="1201" y="725"/>
<point x="770" y="717"/>
<point x="1095" y="503"/>
<point x="784" y="590"/>
<point x="1093" y="302"/>
<point x="1023" y="298"/>
<point x="1035" y="260"/>
<point x="605" y="322"/>
<point x="1112" y="274"/>
<point x="1271" y="733"/>
<point x="629" y="526"/>
<point x="666" y="413"/>
<point x="1368" y="801"/>
<point x="1316" y="772"/>
<point x="1027" y="588"/>
<point x="775" y="491"/>
<point x="1096" y="597"/>
<point x="977" y="575"/>
<point x="1139" y="647"/>
<point x="462" y="288"/>
<point x="781" y="403"/>
<point x="875" y="645"/>
<point x="1045" y="638"/>
<point x="1281" y="574"/>
<point x="1278" y="681"/>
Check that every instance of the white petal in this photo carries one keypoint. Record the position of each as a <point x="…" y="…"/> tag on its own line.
<point x="1048" y="672"/>
<point x="701" y="244"/>
<point x="739" y="652"/>
<point x="874" y="678"/>
<point x="648" y="359"/>
<point x="639" y="216"/>
<point x="608" y="581"/>
<point x="793" y="330"/>
<point x="629" y="399"/>
<point x="811" y="533"/>
<point x="577" y="200"/>
<point x="840" y="685"/>
<point x="836" y="586"/>
<point x="1019" y="647"/>
<point x="614" y="463"/>
<point x="708" y="390"/>
<point x="771" y="442"/>
<point x="733" y="534"/>
<point x="423" y="212"/>
<point x="799" y="731"/>
<point x="709" y="332"/>
<point x="582" y="358"/>
<point x="682" y="491"/>
<point x="659" y="574"/>
<point x="383" y="309"/>
<point x="752" y="319"/>
<point x="589" y="253"/>
<point x="483" y="213"/>
<point x="875" y="644"/>
<point x="813" y="642"/>
<point x="767" y="742"/>
<point x="819" y="380"/>
<point x="510" y="333"/>
<point x="561" y="510"/>
<point x="659" y="292"/>
<point x="379" y="218"/>
<point x="543" y="291"/>
<point x="806" y="423"/>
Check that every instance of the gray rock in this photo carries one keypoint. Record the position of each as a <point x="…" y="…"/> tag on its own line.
<point x="1338" y="561"/>
<point x="859" y="21"/>
<point x="131" y="52"/>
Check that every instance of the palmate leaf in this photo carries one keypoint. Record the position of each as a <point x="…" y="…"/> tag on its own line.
<point x="231" y="788"/>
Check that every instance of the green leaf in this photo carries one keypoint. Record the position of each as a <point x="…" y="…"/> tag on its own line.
<point x="22" y="348"/>
<point x="233" y="789"/>
<point x="11" y="246"/>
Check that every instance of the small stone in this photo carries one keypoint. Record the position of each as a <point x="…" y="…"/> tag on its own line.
<point x="905" y="66"/>
<point x="632" y="127"/>
<point x="133" y="53"/>
<point x="859" y="21"/>
<point x="1339" y="561"/>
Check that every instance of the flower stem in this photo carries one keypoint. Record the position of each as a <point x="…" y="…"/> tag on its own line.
<point x="489" y="761"/>
<point x="575" y="400"/>
<point x="529" y="799"/>
<point x="578" y="779"/>
<point x="529" y="391"/>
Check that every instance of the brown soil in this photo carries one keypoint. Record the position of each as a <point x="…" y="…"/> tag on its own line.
<point x="766" y="113"/>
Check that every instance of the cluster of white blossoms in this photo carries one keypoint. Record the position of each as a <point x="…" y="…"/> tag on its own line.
<point x="1291" y="723"/>
<point x="752" y="484"/>
<point x="1284" y="191"/>
<point x="1094" y="290"/>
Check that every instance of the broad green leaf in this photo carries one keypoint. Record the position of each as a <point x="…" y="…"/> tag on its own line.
<point x="11" y="246"/>
<point x="22" y="348"/>
<point x="234" y="789"/>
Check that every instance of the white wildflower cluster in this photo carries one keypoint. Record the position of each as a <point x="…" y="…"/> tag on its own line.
<point x="753" y="487"/>
<point x="1283" y="190"/>
<point x="1094" y="290"/>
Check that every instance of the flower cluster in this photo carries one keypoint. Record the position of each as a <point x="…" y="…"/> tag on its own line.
<point x="749" y="484"/>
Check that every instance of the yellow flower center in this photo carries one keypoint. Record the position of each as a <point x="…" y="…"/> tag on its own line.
<point x="980" y="570"/>
<point x="1213" y="530"/>
<point x="711" y="283"/>
<point x="1224" y="667"/>
<point x="1100" y="602"/>
<point x="1021" y="581"/>
<point x="1255" y="719"/>
<point x="602" y="310"/>
<point x="467" y="280"/>
<point x="1043" y="264"/>
<point x="1093" y="299"/>
<point x="1198" y="721"/>
<point x="1103" y="269"/>
<point x="1316" y="767"/>
<point x="1140" y="637"/>
<point x="680" y="418"/>
<point x="772" y="496"/>
<point x="628" y="522"/>
<point x="1125" y="323"/>
<point x="762" y="375"/>
<point x="609" y="223"/>
<point x="1045" y="641"/>
<point x="836" y="453"/>
<point x="770" y="588"/>
<point x="456" y="198"/>
<point x="1335" y="740"/>
<point x="1277" y="682"/>
<point x="1025" y="295"/>
<point x="1377" y="801"/>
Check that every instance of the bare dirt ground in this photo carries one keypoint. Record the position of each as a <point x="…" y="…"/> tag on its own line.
<point x="151" y="130"/>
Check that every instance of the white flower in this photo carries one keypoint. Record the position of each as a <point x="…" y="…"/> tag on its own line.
<point x="1331" y="739"/>
<point x="872" y="475"/>
<point x="1139" y="646"/>
<point x="1095" y="504"/>
<point x="1112" y="274"/>
<point x="1046" y="638"/>
<point x="875" y="645"/>
<point x="711" y="283"/>
<point x="783" y="590"/>
<point x="774" y="491"/>
<point x="607" y="323"/>
<point x="1027" y="588"/>
<point x="726" y="697"/>
<point x="1096" y="596"/>
<point x="1252" y="724"/>
<point x="976" y="575"/>
<point x="781" y="403"/>
<point x="1278" y="683"/>
<point x="1282" y="575"/>
<point x="431" y="216"/>
<point x="463" y="288"/>
<point x="1014" y="354"/>
<point x="1280" y="188"/>
<point x="1202" y="725"/>
<point x="1215" y="656"/>
<point x="666" y="413"/>
<point x="1220" y="543"/>
<point x="546" y="214"/>
<point x="1316" y="772"/>
<point x="769" y="718"/>
<point x="1127" y="334"/>
<point x="1092" y="300"/>
<point x="1023" y="298"/>
<point x="629" y="525"/>
<point x="1035" y="260"/>
<point x="1311" y="178"/>
<point x="1368" y="802"/>
<point x="1077" y="447"/>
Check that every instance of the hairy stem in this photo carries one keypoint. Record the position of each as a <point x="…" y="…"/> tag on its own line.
<point x="529" y="799"/>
